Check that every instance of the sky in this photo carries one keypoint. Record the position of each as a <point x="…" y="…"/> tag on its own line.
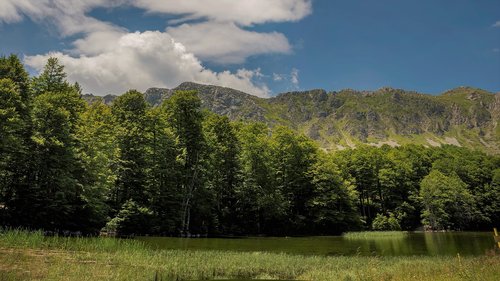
<point x="262" y="47"/>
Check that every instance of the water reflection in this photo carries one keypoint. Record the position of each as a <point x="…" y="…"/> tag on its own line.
<point x="447" y="243"/>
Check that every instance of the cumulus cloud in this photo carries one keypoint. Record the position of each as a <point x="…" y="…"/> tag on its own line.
<point x="496" y="24"/>
<point x="142" y="60"/>
<point x="226" y="43"/>
<point x="108" y="58"/>
<point x="244" y="12"/>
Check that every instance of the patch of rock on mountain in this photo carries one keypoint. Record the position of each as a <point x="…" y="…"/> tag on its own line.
<point x="390" y="143"/>
<point x="452" y="141"/>
<point x="433" y="143"/>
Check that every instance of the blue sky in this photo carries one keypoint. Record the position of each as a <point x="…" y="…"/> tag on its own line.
<point x="265" y="47"/>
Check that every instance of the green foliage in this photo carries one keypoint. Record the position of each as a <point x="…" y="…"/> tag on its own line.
<point x="222" y="171"/>
<point x="163" y="173"/>
<point x="384" y="223"/>
<point x="183" y="111"/>
<point x="52" y="79"/>
<point x="16" y="167"/>
<point x="293" y="157"/>
<point x="12" y="68"/>
<point x="129" y="112"/>
<point x="447" y="202"/>
<point x="131" y="219"/>
<point x="333" y="204"/>
<point x="11" y="126"/>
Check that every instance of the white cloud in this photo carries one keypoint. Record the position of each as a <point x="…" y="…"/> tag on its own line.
<point x="294" y="77"/>
<point x="496" y="24"/>
<point x="142" y="60"/>
<point x="107" y="58"/>
<point x="290" y="80"/>
<point x="226" y="43"/>
<point x="278" y="77"/>
<point x="66" y="15"/>
<point x="244" y="12"/>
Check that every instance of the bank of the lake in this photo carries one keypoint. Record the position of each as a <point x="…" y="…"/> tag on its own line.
<point x="30" y="256"/>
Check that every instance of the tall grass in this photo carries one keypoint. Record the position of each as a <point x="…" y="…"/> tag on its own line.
<point x="20" y="238"/>
<point x="375" y="234"/>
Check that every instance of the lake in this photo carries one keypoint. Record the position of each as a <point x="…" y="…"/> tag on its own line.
<point x="415" y="243"/>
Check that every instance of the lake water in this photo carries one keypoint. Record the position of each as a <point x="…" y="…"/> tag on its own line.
<point x="418" y="243"/>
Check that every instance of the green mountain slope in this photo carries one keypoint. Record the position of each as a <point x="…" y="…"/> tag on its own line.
<point x="336" y="120"/>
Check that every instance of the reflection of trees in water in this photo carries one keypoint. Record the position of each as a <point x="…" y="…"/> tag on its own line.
<point x="451" y="243"/>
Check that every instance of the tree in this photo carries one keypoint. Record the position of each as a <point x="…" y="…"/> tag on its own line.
<point x="447" y="202"/>
<point x="386" y="223"/>
<point x="488" y="203"/>
<point x="98" y="152"/>
<point x="293" y="157"/>
<point x="52" y="79"/>
<point x="222" y="170"/>
<point x="132" y="219"/>
<point x="260" y="205"/>
<point x="129" y="114"/>
<point x="11" y="125"/>
<point x="333" y="204"/>
<point x="12" y="68"/>
<point x="163" y="173"/>
<point x="365" y="165"/>
<point x="184" y="115"/>
<point x="58" y="177"/>
<point x="16" y="166"/>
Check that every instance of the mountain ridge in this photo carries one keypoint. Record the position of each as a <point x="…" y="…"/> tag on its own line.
<point x="463" y="116"/>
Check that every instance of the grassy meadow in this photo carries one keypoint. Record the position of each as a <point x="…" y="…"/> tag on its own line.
<point x="31" y="256"/>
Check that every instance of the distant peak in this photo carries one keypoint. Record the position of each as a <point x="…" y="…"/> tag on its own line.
<point x="465" y="90"/>
<point x="191" y="85"/>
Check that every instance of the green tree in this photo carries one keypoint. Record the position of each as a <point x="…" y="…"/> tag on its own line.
<point x="222" y="170"/>
<point x="260" y="205"/>
<point x="184" y="115"/>
<point x="386" y="223"/>
<point x="333" y="204"/>
<point x="52" y="79"/>
<point x="132" y="219"/>
<point x="293" y="157"/>
<point x="129" y="114"/>
<point x="98" y="152"/>
<point x="11" y="125"/>
<point x="58" y="177"/>
<point x="447" y="202"/>
<point x="15" y="145"/>
<point x="163" y="173"/>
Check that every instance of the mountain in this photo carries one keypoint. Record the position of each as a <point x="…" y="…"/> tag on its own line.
<point x="463" y="116"/>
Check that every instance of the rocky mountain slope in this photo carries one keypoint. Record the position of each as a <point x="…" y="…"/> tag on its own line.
<point x="336" y="120"/>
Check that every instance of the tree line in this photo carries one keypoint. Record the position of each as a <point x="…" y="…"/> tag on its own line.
<point x="176" y="169"/>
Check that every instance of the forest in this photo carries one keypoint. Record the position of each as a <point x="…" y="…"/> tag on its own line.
<point x="179" y="170"/>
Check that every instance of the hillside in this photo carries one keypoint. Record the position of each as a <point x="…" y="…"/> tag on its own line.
<point x="336" y="120"/>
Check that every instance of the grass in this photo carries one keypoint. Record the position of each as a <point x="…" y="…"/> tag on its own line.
<point x="375" y="234"/>
<point x="30" y="256"/>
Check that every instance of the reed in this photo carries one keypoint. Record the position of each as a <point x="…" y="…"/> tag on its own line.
<point x="375" y="234"/>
